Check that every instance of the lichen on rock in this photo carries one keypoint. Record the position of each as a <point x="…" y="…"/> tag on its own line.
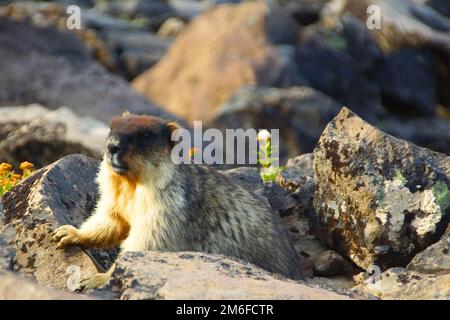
<point x="380" y="200"/>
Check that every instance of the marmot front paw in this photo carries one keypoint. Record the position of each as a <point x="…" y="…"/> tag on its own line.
<point x="94" y="282"/>
<point x="66" y="235"/>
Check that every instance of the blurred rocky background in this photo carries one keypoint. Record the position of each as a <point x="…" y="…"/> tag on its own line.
<point x="362" y="199"/>
<point x="236" y="64"/>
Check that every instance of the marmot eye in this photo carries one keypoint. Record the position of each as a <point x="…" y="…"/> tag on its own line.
<point x="146" y="134"/>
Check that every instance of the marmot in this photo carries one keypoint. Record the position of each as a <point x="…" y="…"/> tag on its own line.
<point x="148" y="203"/>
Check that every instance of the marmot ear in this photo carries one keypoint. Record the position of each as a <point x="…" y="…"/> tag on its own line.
<point x="173" y="126"/>
<point x="126" y="113"/>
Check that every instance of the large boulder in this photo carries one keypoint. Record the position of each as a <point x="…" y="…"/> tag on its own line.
<point x="193" y="276"/>
<point x="339" y="61"/>
<point x="404" y="22"/>
<point x="380" y="200"/>
<point x="428" y="132"/>
<point x="41" y="136"/>
<point x="54" y="15"/>
<point x="136" y="50"/>
<point x="408" y="81"/>
<point x="62" y="193"/>
<point x="28" y="74"/>
<point x="300" y="113"/>
<point x="223" y="49"/>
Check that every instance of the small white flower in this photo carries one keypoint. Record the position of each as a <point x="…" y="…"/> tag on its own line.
<point x="263" y="135"/>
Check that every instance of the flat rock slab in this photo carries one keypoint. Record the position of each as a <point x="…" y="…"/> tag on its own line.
<point x="398" y="284"/>
<point x="193" y="275"/>
<point x="62" y="193"/>
<point x="42" y="136"/>
<point x="380" y="200"/>
<point x="435" y="259"/>
<point x="13" y="287"/>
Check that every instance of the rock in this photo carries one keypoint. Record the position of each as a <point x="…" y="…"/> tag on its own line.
<point x="6" y="250"/>
<point x="98" y="21"/>
<point x="443" y="63"/>
<point x="13" y="287"/>
<point x="298" y="180"/>
<point x="2" y="216"/>
<point x="341" y="285"/>
<point x="408" y="81"/>
<point x="171" y="28"/>
<point x="81" y="3"/>
<point x="28" y="75"/>
<point x="306" y="12"/>
<point x="441" y="6"/>
<point x="137" y="50"/>
<point x="328" y="263"/>
<point x="433" y="260"/>
<point x="62" y="193"/>
<point x="41" y="136"/>
<point x="188" y="9"/>
<point x="217" y="2"/>
<point x="425" y="277"/>
<point x="405" y="22"/>
<point x="300" y="113"/>
<point x="431" y="18"/>
<point x="380" y="200"/>
<point x="304" y="164"/>
<point x="53" y="15"/>
<point x="398" y="284"/>
<point x="429" y="132"/>
<point x="338" y="62"/>
<point x="193" y="275"/>
<point x="126" y="48"/>
<point x="223" y="49"/>
<point x="271" y="193"/>
<point x="151" y="13"/>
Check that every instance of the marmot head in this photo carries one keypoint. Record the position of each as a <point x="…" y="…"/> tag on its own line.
<point x="136" y="142"/>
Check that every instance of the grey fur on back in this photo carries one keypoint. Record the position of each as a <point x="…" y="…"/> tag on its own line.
<point x="208" y="212"/>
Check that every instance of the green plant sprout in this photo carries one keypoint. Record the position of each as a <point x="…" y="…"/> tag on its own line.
<point x="269" y="171"/>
